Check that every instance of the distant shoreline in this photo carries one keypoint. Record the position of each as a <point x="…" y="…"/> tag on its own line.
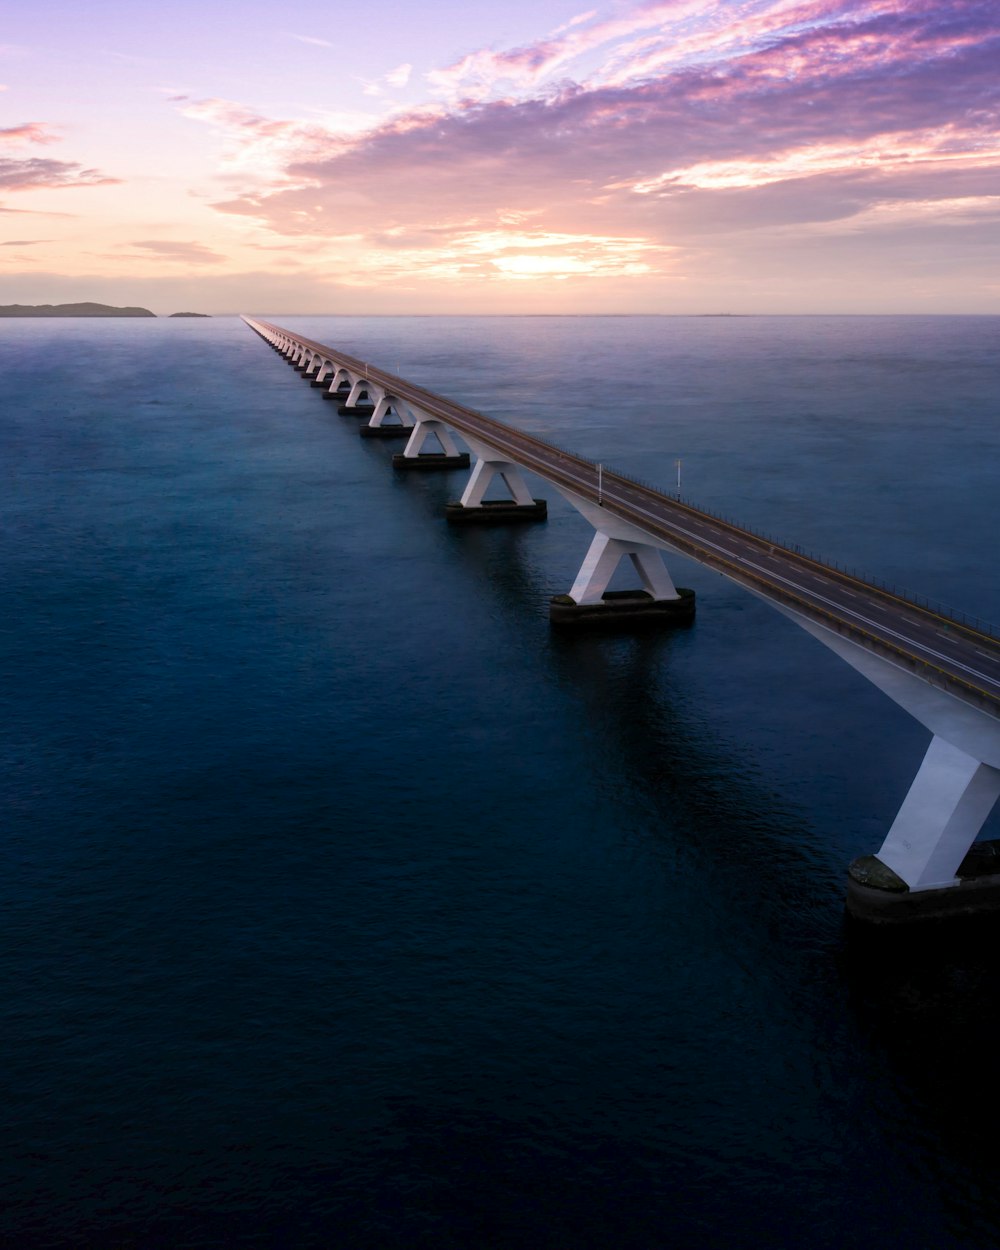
<point x="81" y="310"/>
<point x="71" y="310"/>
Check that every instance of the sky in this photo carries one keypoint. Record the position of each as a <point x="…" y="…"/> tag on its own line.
<point x="688" y="156"/>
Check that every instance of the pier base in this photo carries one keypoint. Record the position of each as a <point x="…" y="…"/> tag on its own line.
<point x="431" y="460"/>
<point x="353" y="410"/>
<point x="623" y="610"/>
<point x="318" y="382"/>
<point x="386" y="431"/>
<point x="496" y="512"/>
<point x="339" y="396"/>
<point x="876" y="895"/>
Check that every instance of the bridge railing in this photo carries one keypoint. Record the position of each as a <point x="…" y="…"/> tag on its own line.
<point x="855" y="574"/>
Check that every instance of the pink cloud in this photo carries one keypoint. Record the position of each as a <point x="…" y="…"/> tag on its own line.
<point x="27" y="132"/>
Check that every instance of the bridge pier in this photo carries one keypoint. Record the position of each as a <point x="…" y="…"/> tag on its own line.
<point x="590" y="605"/>
<point x="378" y="427"/>
<point x="475" y="509"/>
<point x="354" y="407"/>
<point x="927" y="865"/>
<point x="339" y="386"/>
<point x="414" y="457"/>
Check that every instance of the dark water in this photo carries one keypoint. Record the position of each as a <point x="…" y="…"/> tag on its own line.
<point x="344" y="905"/>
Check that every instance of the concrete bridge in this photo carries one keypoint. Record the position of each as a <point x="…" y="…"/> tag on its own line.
<point x="942" y="668"/>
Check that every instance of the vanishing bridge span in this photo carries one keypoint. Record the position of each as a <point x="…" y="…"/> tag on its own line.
<point x="942" y="668"/>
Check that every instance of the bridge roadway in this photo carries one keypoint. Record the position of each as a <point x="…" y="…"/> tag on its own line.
<point x="946" y="653"/>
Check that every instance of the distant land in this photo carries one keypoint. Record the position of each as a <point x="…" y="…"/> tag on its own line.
<point x="71" y="310"/>
<point x="190" y="314"/>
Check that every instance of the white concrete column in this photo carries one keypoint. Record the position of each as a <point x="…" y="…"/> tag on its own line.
<point x="947" y="805"/>
<point x="482" y="475"/>
<point x="603" y="558"/>
<point x="360" y="385"/>
<point x="423" y="430"/>
<point x="386" y="405"/>
<point x="339" y="375"/>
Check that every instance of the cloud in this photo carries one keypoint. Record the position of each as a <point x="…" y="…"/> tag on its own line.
<point x="36" y="174"/>
<point x="27" y="132"/>
<point x="263" y="148"/>
<point x="319" y="43"/>
<point x="688" y="125"/>
<point x="189" y="253"/>
<point x="394" y="79"/>
<point x="399" y="76"/>
<point x="22" y="242"/>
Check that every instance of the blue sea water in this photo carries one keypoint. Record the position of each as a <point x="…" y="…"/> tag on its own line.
<point x="343" y="904"/>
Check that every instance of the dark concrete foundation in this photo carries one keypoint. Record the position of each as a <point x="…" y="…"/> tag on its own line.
<point x="496" y="512"/>
<point x="356" y="410"/>
<point x="317" y="383"/>
<point x="877" y="896"/>
<point x="431" y="460"/>
<point x="386" y="431"/>
<point x="339" y="396"/>
<point x="623" y="610"/>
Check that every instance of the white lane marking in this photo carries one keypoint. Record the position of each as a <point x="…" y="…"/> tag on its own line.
<point x="912" y="642"/>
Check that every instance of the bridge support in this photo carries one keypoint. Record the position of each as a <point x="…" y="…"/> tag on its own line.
<point x="354" y="406"/>
<point x="378" y="427"/>
<point x="930" y="864"/>
<point x="590" y="605"/>
<point x="475" y="509"/>
<point x="338" y="386"/>
<point x="414" y="457"/>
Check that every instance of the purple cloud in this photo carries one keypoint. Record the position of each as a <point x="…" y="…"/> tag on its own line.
<point x="36" y="173"/>
<point x="826" y="113"/>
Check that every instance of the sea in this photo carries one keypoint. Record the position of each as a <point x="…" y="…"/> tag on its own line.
<point x="345" y="904"/>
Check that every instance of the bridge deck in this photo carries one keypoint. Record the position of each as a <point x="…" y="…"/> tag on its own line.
<point x="945" y="652"/>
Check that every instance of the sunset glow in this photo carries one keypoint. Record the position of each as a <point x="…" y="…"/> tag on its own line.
<point x="689" y="156"/>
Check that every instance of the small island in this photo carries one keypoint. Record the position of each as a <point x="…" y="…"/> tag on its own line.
<point x="190" y="314"/>
<point x="71" y="310"/>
